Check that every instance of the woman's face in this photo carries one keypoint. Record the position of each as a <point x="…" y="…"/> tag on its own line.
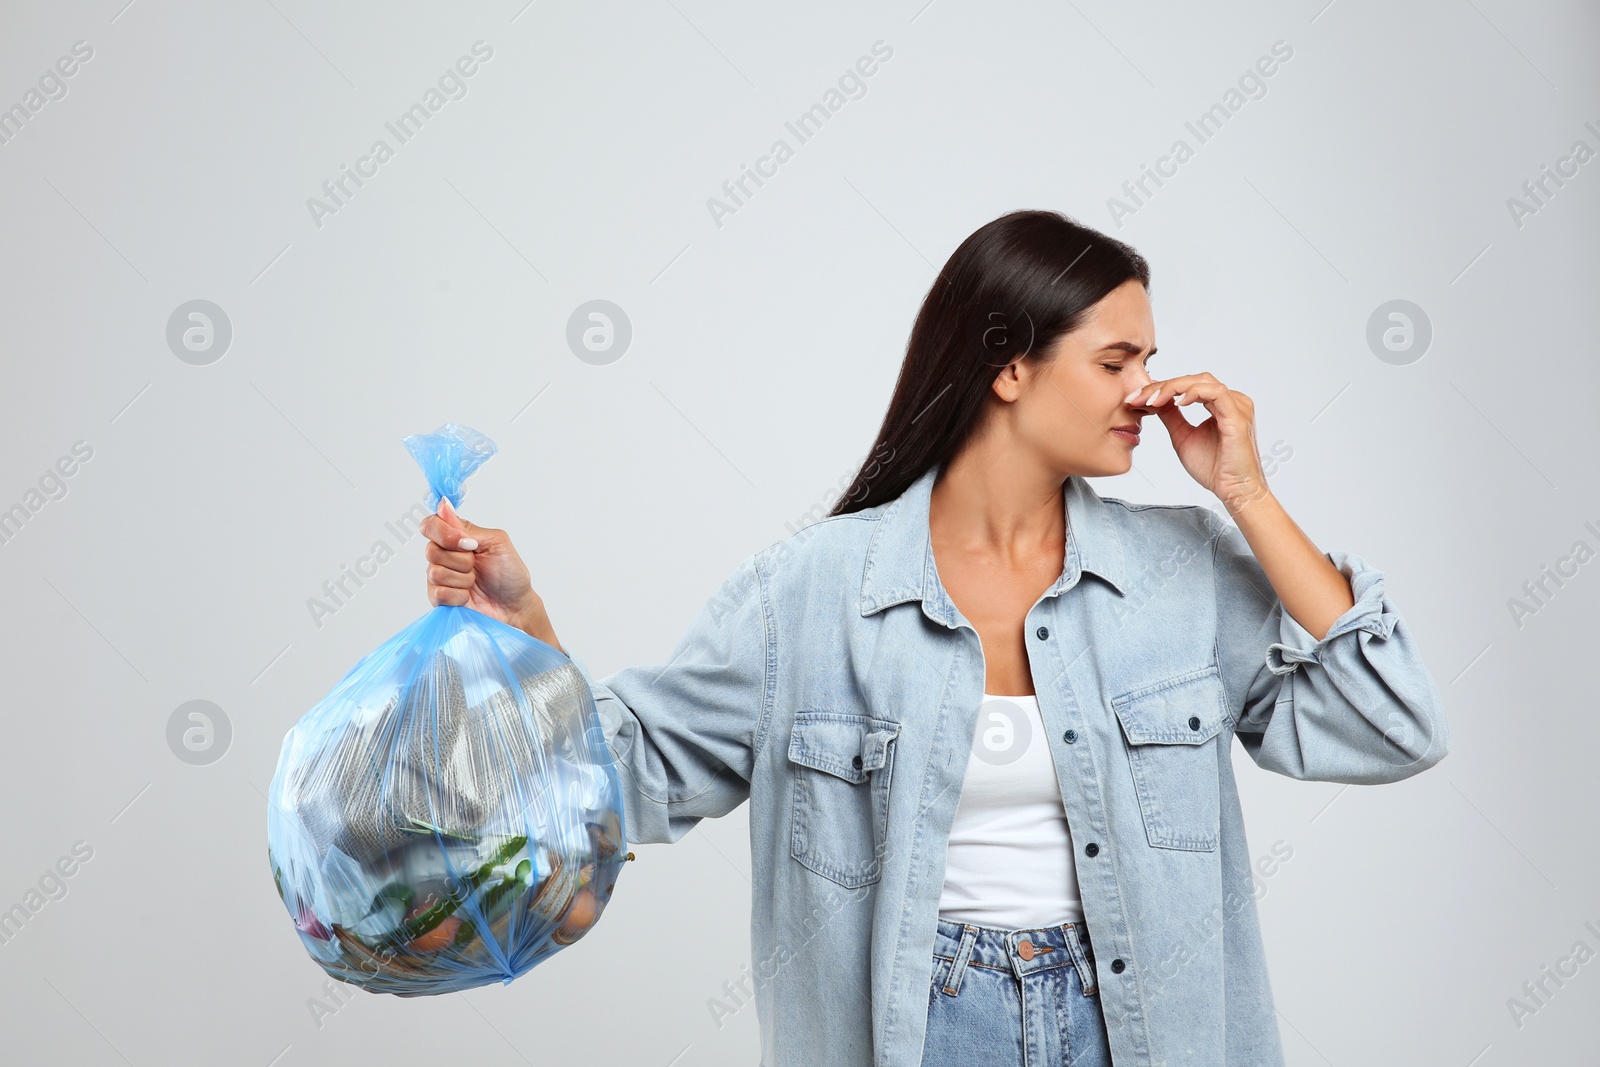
<point x="1070" y="407"/>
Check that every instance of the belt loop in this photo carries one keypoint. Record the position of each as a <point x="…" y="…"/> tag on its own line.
<point x="1080" y="958"/>
<point x="958" y="966"/>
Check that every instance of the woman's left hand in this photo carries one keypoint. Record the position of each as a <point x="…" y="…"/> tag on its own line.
<point x="1220" y="453"/>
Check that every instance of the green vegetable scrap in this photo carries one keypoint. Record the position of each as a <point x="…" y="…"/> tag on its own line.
<point x="493" y="896"/>
<point x="423" y="826"/>
<point x="440" y="910"/>
<point x="394" y="892"/>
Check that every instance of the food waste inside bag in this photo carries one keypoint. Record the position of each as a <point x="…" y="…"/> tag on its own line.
<point x="449" y="815"/>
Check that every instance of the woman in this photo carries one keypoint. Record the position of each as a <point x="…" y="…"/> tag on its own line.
<point x="983" y="716"/>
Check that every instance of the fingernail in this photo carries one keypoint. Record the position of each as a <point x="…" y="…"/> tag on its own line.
<point x="1131" y="397"/>
<point x="1152" y="395"/>
<point x="469" y="543"/>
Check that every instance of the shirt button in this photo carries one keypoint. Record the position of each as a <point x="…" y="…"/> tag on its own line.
<point x="1194" y="722"/>
<point x="855" y="761"/>
<point x="1070" y="736"/>
<point x="1091" y="849"/>
<point x="1043" y="632"/>
<point x="1118" y="966"/>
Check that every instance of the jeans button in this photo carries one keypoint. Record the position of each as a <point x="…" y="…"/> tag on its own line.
<point x="1025" y="949"/>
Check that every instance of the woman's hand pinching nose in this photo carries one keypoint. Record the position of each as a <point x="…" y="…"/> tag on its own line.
<point x="1219" y="452"/>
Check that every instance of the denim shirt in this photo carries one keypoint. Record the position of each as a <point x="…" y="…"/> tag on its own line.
<point x="833" y="683"/>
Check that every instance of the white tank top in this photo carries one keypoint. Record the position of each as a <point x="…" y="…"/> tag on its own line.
<point x="1009" y="863"/>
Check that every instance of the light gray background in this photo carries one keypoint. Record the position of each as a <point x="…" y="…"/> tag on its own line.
<point x="219" y="498"/>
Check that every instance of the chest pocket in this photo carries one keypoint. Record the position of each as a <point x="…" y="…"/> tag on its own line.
<point x="840" y="801"/>
<point x="1172" y="728"/>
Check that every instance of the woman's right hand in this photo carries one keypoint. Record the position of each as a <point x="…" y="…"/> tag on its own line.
<point x="477" y="567"/>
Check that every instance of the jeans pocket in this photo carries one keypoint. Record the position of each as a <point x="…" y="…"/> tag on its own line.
<point x="1173" y="728"/>
<point x="839" y="802"/>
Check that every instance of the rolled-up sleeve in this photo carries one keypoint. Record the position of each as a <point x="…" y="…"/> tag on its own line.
<point x="685" y="734"/>
<point x="1358" y="706"/>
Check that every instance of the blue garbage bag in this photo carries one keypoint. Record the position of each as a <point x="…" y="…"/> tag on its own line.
<point x="449" y="815"/>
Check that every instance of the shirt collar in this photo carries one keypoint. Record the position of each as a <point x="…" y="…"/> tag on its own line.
<point x="900" y="565"/>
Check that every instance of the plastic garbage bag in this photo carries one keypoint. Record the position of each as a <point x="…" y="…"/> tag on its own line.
<point x="449" y="815"/>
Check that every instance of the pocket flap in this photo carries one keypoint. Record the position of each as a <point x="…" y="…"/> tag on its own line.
<point x="1186" y="709"/>
<point x="848" y="746"/>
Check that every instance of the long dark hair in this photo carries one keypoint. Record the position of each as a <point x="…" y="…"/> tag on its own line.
<point x="1012" y="288"/>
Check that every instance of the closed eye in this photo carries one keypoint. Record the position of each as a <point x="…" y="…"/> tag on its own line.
<point x="1117" y="368"/>
<point x="1124" y="346"/>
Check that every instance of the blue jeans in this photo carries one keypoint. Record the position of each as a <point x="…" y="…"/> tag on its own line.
<point x="1014" y="997"/>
